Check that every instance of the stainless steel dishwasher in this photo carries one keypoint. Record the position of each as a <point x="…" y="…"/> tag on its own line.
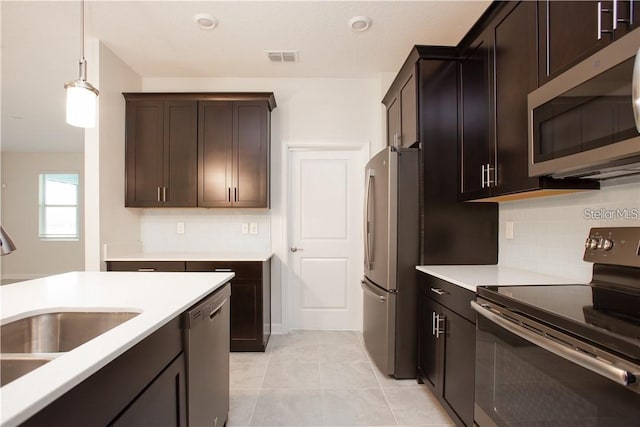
<point x="206" y="336"/>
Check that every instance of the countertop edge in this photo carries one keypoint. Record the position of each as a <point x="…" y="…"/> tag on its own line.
<point x="159" y="256"/>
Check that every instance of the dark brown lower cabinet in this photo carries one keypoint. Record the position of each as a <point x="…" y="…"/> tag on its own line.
<point x="144" y="386"/>
<point x="446" y="345"/>
<point x="162" y="403"/>
<point x="250" y="295"/>
<point x="250" y="301"/>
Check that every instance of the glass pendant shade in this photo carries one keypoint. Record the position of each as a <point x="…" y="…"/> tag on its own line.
<point x="82" y="99"/>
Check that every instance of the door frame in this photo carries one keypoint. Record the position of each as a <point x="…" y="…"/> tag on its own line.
<point x="361" y="149"/>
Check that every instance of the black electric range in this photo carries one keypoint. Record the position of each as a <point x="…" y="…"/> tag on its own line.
<point x="542" y="348"/>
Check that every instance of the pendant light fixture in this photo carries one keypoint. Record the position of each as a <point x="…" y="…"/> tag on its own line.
<point x="82" y="97"/>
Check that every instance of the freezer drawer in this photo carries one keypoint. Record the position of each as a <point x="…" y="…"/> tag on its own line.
<point x="378" y="326"/>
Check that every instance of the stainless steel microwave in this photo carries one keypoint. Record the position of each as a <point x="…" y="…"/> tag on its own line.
<point x="585" y="122"/>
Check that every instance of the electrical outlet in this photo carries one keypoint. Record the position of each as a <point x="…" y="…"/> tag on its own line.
<point x="245" y="228"/>
<point x="180" y="227"/>
<point x="508" y="230"/>
<point x="253" y="228"/>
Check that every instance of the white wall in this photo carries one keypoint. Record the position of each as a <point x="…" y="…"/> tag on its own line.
<point x="549" y="233"/>
<point x="108" y="221"/>
<point x="310" y="111"/>
<point x="20" y="217"/>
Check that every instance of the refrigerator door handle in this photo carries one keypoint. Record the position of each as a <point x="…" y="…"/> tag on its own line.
<point x="368" y="222"/>
<point x="367" y="289"/>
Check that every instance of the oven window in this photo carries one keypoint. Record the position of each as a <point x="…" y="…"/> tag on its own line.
<point x="596" y="113"/>
<point x="519" y="384"/>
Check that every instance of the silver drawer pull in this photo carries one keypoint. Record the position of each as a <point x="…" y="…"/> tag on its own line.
<point x="146" y="270"/>
<point x="223" y="270"/>
<point x="439" y="291"/>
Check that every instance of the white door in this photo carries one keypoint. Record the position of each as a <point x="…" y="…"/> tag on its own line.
<point x="325" y="239"/>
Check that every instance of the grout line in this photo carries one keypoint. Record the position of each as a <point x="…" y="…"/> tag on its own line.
<point x="253" y="410"/>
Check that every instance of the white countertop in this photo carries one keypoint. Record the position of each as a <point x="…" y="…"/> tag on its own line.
<point x="190" y="256"/>
<point x="159" y="297"/>
<point x="472" y="276"/>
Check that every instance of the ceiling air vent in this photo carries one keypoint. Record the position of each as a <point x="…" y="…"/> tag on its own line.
<point x="282" y="55"/>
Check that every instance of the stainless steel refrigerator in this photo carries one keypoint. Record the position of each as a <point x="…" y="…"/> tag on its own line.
<point x="392" y="251"/>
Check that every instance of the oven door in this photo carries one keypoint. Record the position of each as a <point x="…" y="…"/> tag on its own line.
<point x="519" y="383"/>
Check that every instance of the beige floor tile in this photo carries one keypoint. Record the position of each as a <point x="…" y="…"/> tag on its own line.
<point x="292" y="375"/>
<point x="416" y="406"/>
<point x="301" y="352"/>
<point x="288" y="408"/>
<point x="246" y="375"/>
<point x="341" y="353"/>
<point x="338" y="337"/>
<point x="241" y="406"/>
<point x="347" y="375"/>
<point x="361" y="407"/>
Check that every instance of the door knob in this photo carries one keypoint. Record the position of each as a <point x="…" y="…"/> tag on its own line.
<point x="294" y="249"/>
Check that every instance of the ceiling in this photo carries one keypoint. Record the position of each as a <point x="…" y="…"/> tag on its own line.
<point x="41" y="46"/>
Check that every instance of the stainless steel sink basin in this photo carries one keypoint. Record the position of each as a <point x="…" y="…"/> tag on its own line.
<point x="13" y="367"/>
<point x="57" y="332"/>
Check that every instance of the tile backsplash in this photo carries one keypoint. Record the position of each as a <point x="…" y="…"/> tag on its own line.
<point x="205" y="230"/>
<point x="549" y="233"/>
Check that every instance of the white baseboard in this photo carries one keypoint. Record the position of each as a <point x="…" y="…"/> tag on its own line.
<point x="276" y="329"/>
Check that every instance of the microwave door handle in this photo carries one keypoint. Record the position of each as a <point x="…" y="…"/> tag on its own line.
<point x="635" y="90"/>
<point x="620" y="376"/>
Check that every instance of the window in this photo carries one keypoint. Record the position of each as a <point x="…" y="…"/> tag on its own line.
<point x="59" y="219"/>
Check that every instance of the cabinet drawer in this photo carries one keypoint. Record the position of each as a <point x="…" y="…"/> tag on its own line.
<point x="449" y="295"/>
<point x="145" y="266"/>
<point x="242" y="269"/>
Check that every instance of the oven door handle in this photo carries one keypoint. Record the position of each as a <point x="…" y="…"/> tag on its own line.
<point x="620" y="376"/>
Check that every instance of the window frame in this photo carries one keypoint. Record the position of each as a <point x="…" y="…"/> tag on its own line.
<point x="42" y="208"/>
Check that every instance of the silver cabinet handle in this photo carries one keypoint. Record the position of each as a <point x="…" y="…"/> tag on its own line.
<point x="229" y="194"/>
<point x="613" y="11"/>
<point x="235" y="194"/>
<point x="433" y="323"/>
<point x="482" y="176"/>
<point x="615" y="14"/>
<point x="294" y="249"/>
<point x="490" y="182"/>
<point x="164" y="194"/>
<point x="599" y="8"/>
<point x="439" y="325"/>
<point x="222" y="270"/>
<point x="635" y="90"/>
<point x="439" y="291"/>
<point x="366" y="289"/>
<point x="146" y="270"/>
<point x="159" y="194"/>
<point x="607" y="370"/>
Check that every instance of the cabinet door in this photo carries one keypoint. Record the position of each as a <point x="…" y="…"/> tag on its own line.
<point x="246" y="315"/>
<point x="162" y="403"/>
<point x="408" y="113"/>
<point x="515" y="77"/>
<point x="459" y="362"/>
<point x="429" y="349"/>
<point x="250" y="155"/>
<point x="144" y="153"/>
<point x="393" y="122"/>
<point x="570" y="31"/>
<point x="215" y="153"/>
<point x="628" y="17"/>
<point x="181" y="154"/>
<point x="476" y="117"/>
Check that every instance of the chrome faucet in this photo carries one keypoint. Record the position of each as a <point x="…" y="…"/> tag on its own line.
<point x="6" y="244"/>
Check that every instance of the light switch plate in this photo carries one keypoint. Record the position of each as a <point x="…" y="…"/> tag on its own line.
<point x="508" y="234"/>
<point x="245" y="228"/>
<point x="253" y="228"/>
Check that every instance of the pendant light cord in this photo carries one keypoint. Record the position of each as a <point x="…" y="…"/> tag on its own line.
<point x="83" y="62"/>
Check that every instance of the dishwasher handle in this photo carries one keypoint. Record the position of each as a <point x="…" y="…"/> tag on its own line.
<point x="217" y="310"/>
<point x="208" y="308"/>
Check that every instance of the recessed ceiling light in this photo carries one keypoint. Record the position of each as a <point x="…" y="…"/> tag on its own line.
<point x="205" y="21"/>
<point x="360" y="23"/>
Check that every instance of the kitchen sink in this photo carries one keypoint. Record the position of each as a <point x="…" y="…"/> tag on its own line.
<point x="57" y="332"/>
<point x="13" y="367"/>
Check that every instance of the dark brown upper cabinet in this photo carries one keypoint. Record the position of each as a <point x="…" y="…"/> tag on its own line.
<point x="233" y="154"/>
<point x="198" y="149"/>
<point x="497" y="72"/>
<point x="570" y="31"/>
<point x="161" y="153"/>
<point x="402" y="110"/>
